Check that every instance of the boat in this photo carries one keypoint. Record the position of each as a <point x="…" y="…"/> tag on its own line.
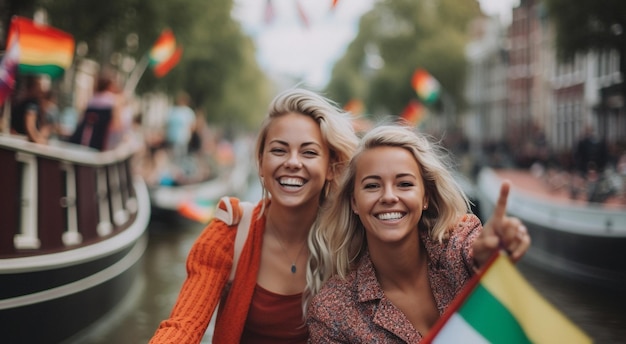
<point x="580" y="240"/>
<point x="74" y="230"/>
<point x="196" y="200"/>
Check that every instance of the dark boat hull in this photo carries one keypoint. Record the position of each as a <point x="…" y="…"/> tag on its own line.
<point x="73" y="236"/>
<point x="69" y="299"/>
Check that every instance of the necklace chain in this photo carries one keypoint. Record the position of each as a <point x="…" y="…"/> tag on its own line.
<point x="293" y="262"/>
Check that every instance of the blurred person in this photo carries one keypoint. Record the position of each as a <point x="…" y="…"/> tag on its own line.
<point x="102" y="117"/>
<point x="27" y="115"/>
<point x="197" y="134"/>
<point x="51" y="114"/>
<point x="124" y="129"/>
<point x="302" y="148"/>
<point x="180" y="126"/>
<point x="398" y="243"/>
<point x="591" y="153"/>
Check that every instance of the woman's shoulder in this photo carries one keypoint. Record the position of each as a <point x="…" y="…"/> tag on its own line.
<point x="459" y="240"/>
<point x="467" y="224"/>
<point x="227" y="213"/>
<point x="103" y="100"/>
<point x="27" y="104"/>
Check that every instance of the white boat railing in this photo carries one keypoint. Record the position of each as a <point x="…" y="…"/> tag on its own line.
<point x="60" y="196"/>
<point x="589" y="219"/>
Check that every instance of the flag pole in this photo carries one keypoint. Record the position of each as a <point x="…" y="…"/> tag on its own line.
<point x="135" y="75"/>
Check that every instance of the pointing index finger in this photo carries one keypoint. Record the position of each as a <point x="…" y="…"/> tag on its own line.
<point x="500" y="210"/>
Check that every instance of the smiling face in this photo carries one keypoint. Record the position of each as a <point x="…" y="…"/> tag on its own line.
<point x="389" y="195"/>
<point x="294" y="163"/>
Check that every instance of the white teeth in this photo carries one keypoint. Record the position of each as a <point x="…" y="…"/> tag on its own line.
<point x="291" y="181"/>
<point x="389" y="216"/>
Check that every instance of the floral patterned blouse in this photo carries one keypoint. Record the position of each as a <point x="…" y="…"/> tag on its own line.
<point x="356" y="310"/>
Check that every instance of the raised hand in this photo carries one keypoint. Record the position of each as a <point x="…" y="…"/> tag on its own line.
<point x="501" y="232"/>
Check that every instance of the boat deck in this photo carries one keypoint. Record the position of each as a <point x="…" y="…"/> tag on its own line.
<point x="554" y="187"/>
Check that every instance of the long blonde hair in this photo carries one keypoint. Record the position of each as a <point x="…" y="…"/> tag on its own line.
<point x="338" y="238"/>
<point x="337" y="129"/>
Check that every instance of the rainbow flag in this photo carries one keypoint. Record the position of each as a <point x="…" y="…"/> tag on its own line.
<point x="500" y="306"/>
<point x="165" y="53"/>
<point x="42" y="48"/>
<point x="426" y="86"/>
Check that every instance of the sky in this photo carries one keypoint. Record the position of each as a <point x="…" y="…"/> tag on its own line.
<point x="286" y="46"/>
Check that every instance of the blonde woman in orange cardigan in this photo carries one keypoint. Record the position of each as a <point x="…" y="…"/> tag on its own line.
<point x="303" y="146"/>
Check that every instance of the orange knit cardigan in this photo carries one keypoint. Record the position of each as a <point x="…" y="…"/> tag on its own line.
<point x="208" y="268"/>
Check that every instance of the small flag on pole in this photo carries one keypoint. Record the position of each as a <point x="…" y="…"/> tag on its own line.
<point x="42" y="48"/>
<point x="426" y="86"/>
<point x="165" y="53"/>
<point x="355" y="107"/>
<point x="412" y="113"/>
<point x="8" y="71"/>
<point x="500" y="306"/>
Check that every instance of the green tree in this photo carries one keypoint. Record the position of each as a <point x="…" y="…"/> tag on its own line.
<point x="9" y="8"/>
<point x="404" y="35"/>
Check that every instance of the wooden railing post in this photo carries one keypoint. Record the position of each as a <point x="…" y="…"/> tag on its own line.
<point x="27" y="238"/>
<point x="71" y="236"/>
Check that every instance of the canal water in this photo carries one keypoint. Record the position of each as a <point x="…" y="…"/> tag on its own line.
<point x="601" y="313"/>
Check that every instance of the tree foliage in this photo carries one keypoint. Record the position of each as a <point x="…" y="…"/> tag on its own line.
<point x="587" y="25"/>
<point x="405" y="35"/>
<point x="9" y="8"/>
<point x="590" y="25"/>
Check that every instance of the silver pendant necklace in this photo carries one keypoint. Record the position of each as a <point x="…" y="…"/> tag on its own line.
<point x="293" y="263"/>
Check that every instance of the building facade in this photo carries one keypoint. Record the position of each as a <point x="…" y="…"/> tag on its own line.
<point x="522" y="97"/>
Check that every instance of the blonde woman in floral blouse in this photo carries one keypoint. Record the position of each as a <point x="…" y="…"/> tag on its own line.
<point x="398" y="243"/>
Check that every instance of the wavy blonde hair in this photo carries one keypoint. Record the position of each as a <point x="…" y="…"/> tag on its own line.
<point x="338" y="238"/>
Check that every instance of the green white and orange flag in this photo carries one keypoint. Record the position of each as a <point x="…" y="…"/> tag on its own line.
<point x="165" y="53"/>
<point x="500" y="306"/>
<point x="42" y="49"/>
<point x="426" y="86"/>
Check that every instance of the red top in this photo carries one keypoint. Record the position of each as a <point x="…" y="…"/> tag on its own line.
<point x="274" y="318"/>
